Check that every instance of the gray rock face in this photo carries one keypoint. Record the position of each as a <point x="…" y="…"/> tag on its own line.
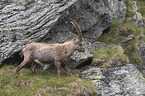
<point x="129" y="37"/>
<point x="119" y="81"/>
<point x="118" y="9"/>
<point x="142" y="54"/>
<point x="29" y="21"/>
<point x="26" y="21"/>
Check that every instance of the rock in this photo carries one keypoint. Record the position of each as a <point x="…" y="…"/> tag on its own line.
<point x="142" y="54"/>
<point x="118" y="9"/>
<point x="29" y="21"/>
<point x="99" y="44"/>
<point x="118" y="81"/>
<point x="129" y="37"/>
<point x="93" y="17"/>
<point x="92" y="73"/>
<point x="136" y="19"/>
<point x="24" y="22"/>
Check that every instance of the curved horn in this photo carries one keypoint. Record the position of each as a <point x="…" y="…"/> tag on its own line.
<point x="77" y="28"/>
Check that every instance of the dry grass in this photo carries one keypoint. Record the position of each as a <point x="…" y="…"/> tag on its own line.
<point x="43" y="84"/>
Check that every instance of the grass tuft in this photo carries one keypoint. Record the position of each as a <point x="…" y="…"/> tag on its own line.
<point x="111" y="56"/>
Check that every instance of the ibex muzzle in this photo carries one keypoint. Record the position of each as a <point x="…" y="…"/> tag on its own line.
<point x="47" y="54"/>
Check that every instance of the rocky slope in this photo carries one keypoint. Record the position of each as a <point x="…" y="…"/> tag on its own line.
<point x="113" y="36"/>
<point x="126" y="80"/>
<point x="29" y="21"/>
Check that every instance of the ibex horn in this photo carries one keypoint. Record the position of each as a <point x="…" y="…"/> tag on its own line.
<point x="77" y="28"/>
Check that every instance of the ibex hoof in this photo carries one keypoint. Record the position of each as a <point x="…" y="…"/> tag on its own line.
<point x="16" y="76"/>
<point x="59" y="76"/>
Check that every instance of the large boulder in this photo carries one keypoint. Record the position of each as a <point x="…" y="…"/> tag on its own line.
<point x="29" y="21"/>
<point x="26" y="21"/>
<point x="118" y="9"/>
<point x="122" y="81"/>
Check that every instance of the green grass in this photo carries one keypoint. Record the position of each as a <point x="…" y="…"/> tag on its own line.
<point x="45" y="83"/>
<point x="131" y="47"/>
<point x="119" y="30"/>
<point x="111" y="56"/>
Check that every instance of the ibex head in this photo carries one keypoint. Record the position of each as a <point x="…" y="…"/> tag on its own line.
<point x="80" y="47"/>
<point x="78" y="41"/>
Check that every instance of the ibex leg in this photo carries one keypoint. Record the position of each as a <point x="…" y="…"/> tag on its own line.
<point x="20" y="66"/>
<point x="58" y="65"/>
<point x="33" y="66"/>
<point x="27" y="60"/>
<point x="67" y="69"/>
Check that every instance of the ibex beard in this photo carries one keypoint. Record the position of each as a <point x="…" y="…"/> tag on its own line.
<point x="47" y="54"/>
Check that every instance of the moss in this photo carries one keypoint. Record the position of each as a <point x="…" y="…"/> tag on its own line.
<point x="112" y="56"/>
<point x="43" y="84"/>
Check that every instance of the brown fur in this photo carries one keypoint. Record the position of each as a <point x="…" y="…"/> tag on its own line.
<point x="47" y="54"/>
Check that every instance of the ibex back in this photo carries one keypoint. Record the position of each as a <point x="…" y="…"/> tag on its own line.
<point x="46" y="54"/>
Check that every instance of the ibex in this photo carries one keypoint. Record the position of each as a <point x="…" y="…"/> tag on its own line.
<point x="47" y="54"/>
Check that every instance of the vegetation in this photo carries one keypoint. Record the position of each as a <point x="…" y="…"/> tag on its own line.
<point x="110" y="56"/>
<point x="131" y="47"/>
<point x="118" y="31"/>
<point x="141" y="7"/>
<point x="140" y="4"/>
<point x="45" y="83"/>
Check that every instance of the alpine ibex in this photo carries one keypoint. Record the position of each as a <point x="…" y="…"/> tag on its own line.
<point x="46" y="54"/>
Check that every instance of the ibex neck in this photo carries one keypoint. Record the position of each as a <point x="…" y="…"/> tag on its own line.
<point x="70" y="47"/>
